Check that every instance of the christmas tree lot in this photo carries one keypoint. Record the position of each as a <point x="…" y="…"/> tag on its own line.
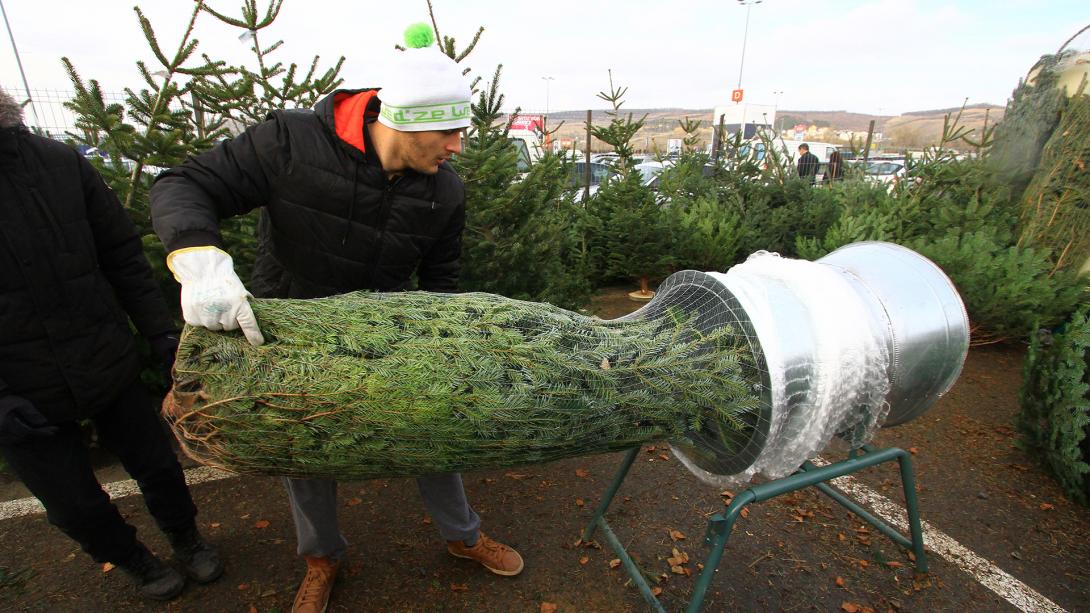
<point x="1008" y="223"/>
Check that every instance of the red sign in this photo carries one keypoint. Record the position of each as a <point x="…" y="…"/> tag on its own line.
<point x="529" y="123"/>
<point x="736" y="95"/>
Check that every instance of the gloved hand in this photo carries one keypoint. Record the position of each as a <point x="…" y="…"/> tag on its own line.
<point x="213" y="297"/>
<point x="19" y="420"/>
<point x="163" y="349"/>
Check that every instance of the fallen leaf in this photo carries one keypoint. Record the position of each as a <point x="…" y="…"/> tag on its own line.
<point x="268" y="593"/>
<point x="651" y="449"/>
<point x="1046" y="507"/>
<point x="242" y="587"/>
<point x="850" y="607"/>
<point x="517" y="476"/>
<point x="894" y="564"/>
<point x="426" y="521"/>
<point x="353" y="502"/>
<point x="583" y="560"/>
<point x="579" y="502"/>
<point x="459" y="587"/>
<point x="261" y="524"/>
<point x="253" y="609"/>
<point x="107" y="567"/>
<point x="615" y="562"/>
<point x="745" y="512"/>
<point x="700" y="566"/>
<point x="912" y="556"/>
<point x="677" y="570"/>
<point x="582" y="473"/>
<point x="840" y="581"/>
<point x="677" y="535"/>
<point x="548" y="607"/>
<point x="655" y="591"/>
<point x="840" y="537"/>
<point x="214" y="524"/>
<point x="663" y="456"/>
<point x="863" y="563"/>
<point x="912" y="450"/>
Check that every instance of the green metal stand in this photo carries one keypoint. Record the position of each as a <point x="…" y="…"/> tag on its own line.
<point x="721" y="524"/>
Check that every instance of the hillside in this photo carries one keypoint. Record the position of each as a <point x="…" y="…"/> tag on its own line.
<point x="909" y="130"/>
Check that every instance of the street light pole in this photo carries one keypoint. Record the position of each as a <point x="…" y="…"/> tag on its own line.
<point x="547" y="79"/>
<point x="29" y="98"/>
<point x="748" y="4"/>
<point x="776" y="110"/>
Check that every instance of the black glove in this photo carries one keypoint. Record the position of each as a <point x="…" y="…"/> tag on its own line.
<point x="20" y="420"/>
<point x="163" y="349"/>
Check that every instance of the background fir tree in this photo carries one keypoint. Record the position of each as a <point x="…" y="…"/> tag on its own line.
<point x="632" y="234"/>
<point x="522" y="230"/>
<point x="187" y="105"/>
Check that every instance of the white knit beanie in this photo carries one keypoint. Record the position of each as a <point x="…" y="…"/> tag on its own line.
<point x="424" y="89"/>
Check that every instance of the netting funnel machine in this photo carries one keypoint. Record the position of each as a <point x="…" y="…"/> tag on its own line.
<point x="746" y="373"/>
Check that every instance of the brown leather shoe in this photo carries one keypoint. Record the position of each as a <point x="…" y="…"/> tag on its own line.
<point x="496" y="557"/>
<point x="313" y="595"/>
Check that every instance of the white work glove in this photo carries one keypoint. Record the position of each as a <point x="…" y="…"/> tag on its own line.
<point x="213" y="297"/>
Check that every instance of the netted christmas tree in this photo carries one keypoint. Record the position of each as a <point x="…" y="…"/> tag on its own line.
<point x="1055" y="397"/>
<point x="378" y="385"/>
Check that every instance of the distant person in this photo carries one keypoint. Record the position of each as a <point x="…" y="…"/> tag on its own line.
<point x="834" y="170"/>
<point x="808" y="164"/>
<point x="72" y="277"/>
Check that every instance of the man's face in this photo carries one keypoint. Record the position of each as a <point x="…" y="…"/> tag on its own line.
<point x="425" y="151"/>
<point x="804" y="150"/>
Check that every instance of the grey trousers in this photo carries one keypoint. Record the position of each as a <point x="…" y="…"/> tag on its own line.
<point x="318" y="534"/>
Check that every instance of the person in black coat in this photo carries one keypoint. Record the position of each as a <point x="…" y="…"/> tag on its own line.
<point x="808" y="163"/>
<point x="356" y="194"/>
<point x="72" y="276"/>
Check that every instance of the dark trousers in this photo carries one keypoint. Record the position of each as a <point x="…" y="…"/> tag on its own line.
<point x="57" y="470"/>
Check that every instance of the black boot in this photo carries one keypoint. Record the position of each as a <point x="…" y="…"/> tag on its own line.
<point x="201" y="561"/>
<point x="153" y="578"/>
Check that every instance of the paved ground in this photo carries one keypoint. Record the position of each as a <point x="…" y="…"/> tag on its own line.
<point x="799" y="552"/>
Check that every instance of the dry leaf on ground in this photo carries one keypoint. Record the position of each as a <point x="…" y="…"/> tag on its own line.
<point x="261" y="524"/>
<point x="548" y="607"/>
<point x="582" y="472"/>
<point x="615" y="562"/>
<point x="677" y="535"/>
<point x="459" y="587"/>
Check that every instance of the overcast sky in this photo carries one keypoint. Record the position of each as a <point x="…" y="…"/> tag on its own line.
<point x="872" y="56"/>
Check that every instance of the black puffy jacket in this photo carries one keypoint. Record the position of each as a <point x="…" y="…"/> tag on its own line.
<point x="332" y="222"/>
<point x="72" y="272"/>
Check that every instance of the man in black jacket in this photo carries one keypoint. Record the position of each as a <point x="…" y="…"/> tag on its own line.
<point x="72" y="273"/>
<point x="808" y="163"/>
<point x="356" y="194"/>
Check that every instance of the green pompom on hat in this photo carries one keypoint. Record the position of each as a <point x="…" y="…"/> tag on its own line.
<point x="423" y="88"/>
<point x="418" y="36"/>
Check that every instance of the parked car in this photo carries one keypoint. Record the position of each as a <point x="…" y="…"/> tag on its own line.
<point x="885" y="171"/>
